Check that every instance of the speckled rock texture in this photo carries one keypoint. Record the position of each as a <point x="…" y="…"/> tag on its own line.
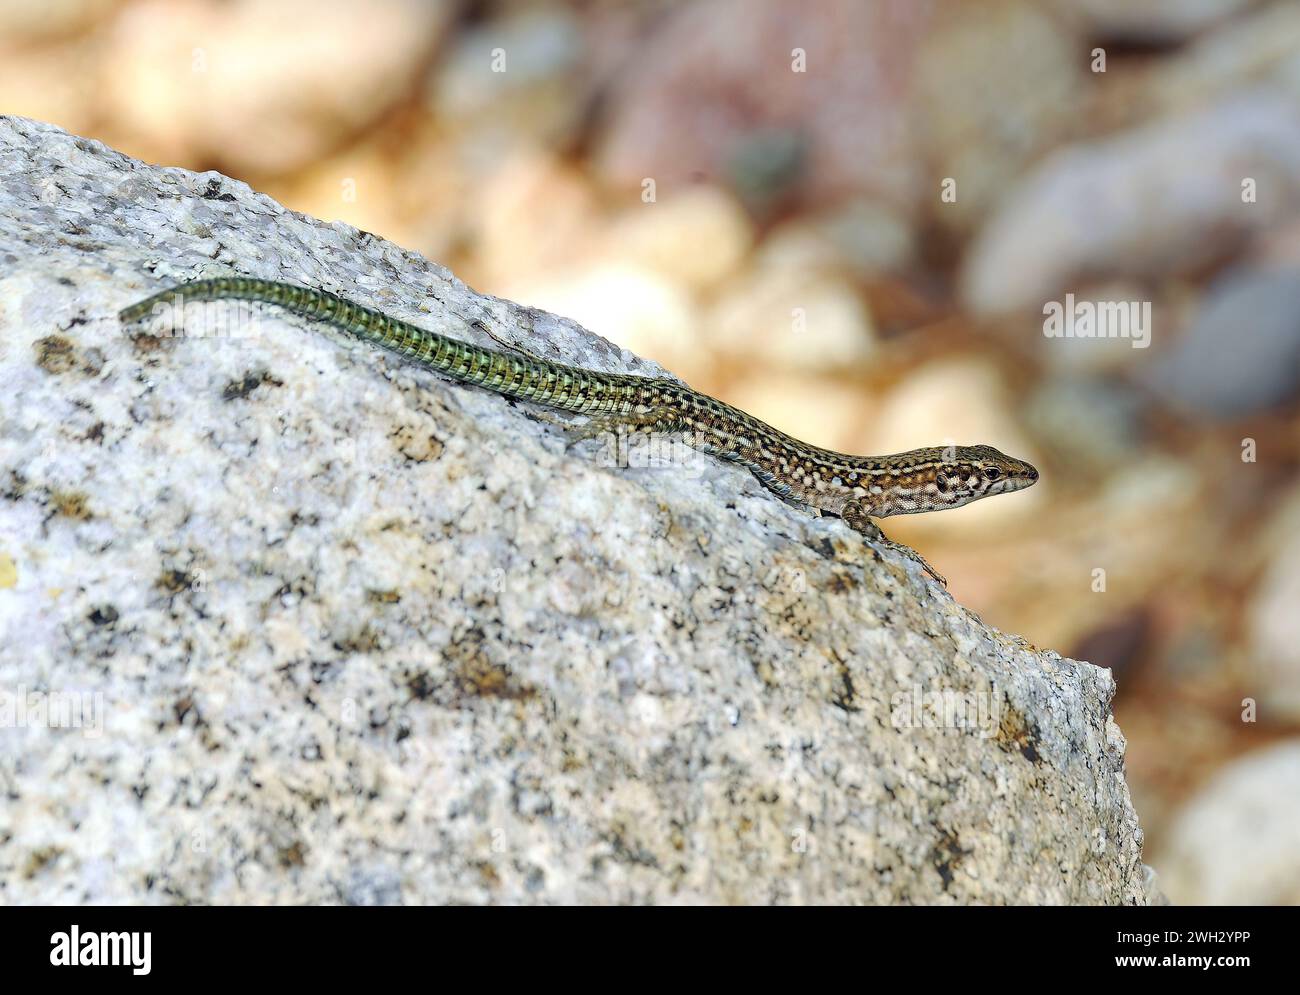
<point x="335" y="630"/>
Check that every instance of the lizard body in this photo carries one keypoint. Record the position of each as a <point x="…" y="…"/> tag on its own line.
<point x="856" y="488"/>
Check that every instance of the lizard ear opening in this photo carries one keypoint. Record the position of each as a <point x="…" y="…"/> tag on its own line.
<point x="941" y="482"/>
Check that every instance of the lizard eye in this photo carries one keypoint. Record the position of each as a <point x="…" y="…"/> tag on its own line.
<point x="941" y="482"/>
<point x="992" y="473"/>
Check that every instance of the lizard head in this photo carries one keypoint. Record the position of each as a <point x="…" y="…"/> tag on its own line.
<point x="976" y="472"/>
<point x="940" y="478"/>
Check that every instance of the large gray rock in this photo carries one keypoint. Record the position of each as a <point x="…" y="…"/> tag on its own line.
<point x="344" y="632"/>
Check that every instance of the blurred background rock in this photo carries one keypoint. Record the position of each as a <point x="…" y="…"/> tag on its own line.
<point x="788" y="240"/>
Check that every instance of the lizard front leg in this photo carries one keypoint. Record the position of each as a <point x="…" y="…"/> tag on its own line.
<point x="855" y="517"/>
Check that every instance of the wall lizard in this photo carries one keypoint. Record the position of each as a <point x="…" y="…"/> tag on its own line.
<point x="856" y="488"/>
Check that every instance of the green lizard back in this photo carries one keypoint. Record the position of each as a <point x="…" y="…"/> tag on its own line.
<point x="568" y="388"/>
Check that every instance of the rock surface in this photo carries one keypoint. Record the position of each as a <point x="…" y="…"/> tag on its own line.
<point x="338" y="631"/>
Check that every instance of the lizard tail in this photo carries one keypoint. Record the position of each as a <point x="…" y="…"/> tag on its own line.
<point x="532" y="379"/>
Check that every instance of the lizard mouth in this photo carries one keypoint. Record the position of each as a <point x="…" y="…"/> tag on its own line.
<point x="1026" y="475"/>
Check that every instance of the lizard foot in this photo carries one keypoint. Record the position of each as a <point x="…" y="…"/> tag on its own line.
<point x="859" y="521"/>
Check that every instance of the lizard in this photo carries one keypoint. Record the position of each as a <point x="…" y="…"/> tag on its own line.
<point x="857" y="489"/>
